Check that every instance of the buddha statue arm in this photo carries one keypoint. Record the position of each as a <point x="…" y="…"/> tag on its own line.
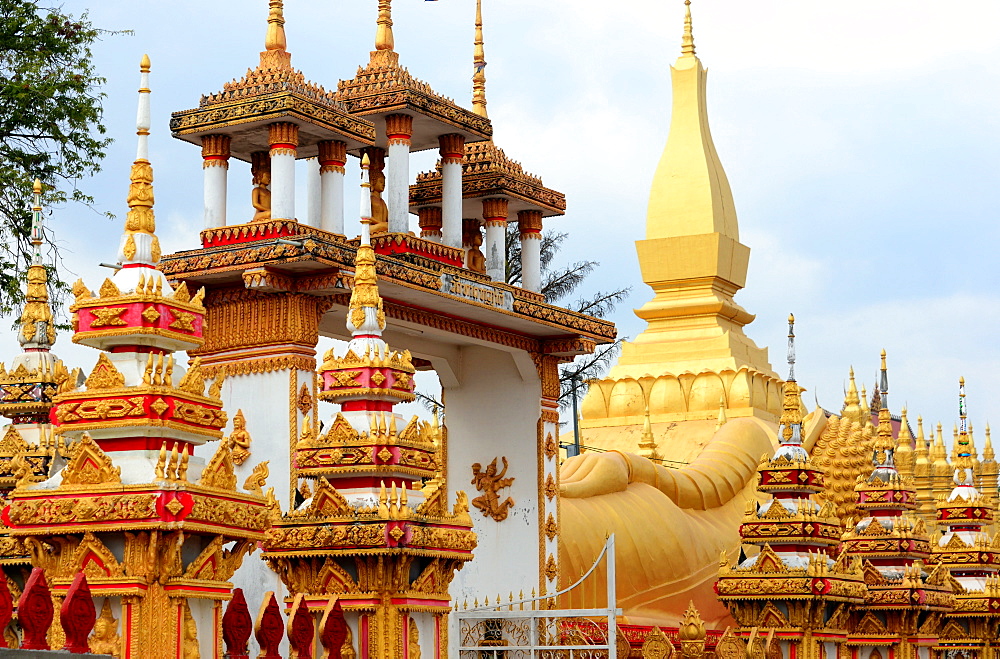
<point x="723" y="468"/>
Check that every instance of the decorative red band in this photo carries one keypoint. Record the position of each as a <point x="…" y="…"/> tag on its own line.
<point x="283" y="145"/>
<point x="367" y="406"/>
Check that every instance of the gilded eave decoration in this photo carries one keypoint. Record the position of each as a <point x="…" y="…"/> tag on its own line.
<point x="331" y="526"/>
<point x="488" y="172"/>
<point x="384" y="86"/>
<point x="344" y="450"/>
<point x="91" y="497"/>
<point x="108" y="403"/>
<point x="271" y="107"/>
<point x="336" y="255"/>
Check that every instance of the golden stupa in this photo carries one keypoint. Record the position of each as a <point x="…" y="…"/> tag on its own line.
<point x="692" y="392"/>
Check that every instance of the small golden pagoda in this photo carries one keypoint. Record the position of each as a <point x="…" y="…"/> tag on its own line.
<point x="905" y="595"/>
<point x="29" y="444"/>
<point x="797" y="584"/>
<point x="495" y="189"/>
<point x="157" y="531"/>
<point x="967" y="548"/>
<point x="366" y="535"/>
<point x="270" y="118"/>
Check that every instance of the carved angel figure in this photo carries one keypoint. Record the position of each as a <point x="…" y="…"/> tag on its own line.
<point x="489" y="482"/>
<point x="105" y="638"/>
<point x="239" y="439"/>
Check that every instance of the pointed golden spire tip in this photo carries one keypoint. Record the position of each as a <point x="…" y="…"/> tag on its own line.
<point x="144" y="64"/>
<point x="275" y="39"/>
<point x="687" y="41"/>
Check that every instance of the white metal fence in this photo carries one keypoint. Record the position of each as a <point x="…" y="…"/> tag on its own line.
<point x="527" y="628"/>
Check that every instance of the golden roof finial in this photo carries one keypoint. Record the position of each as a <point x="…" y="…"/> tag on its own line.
<point x="647" y="442"/>
<point x="275" y="39"/>
<point x="687" y="41"/>
<point x="383" y="34"/>
<point x="722" y="413"/>
<point x="479" y="66"/>
<point x="365" y="297"/>
<point x="139" y="244"/>
<point x="922" y="447"/>
<point x="37" y="324"/>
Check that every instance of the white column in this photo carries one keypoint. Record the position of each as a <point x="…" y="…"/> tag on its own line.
<point x="398" y="130"/>
<point x="332" y="158"/>
<point x="495" y="218"/>
<point x="452" y="150"/>
<point x="313" y="196"/>
<point x="284" y="139"/>
<point x="530" y="228"/>
<point x="215" y="154"/>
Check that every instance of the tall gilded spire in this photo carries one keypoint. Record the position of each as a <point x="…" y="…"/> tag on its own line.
<point x="139" y="244"/>
<point x="479" y="66"/>
<point x="37" y="327"/>
<point x="687" y="41"/>
<point x="275" y="39"/>
<point x="366" y="319"/>
<point x="383" y="34"/>
<point x="691" y="255"/>
<point x="690" y="194"/>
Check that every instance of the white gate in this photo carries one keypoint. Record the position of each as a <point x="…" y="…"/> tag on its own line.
<point x="511" y="631"/>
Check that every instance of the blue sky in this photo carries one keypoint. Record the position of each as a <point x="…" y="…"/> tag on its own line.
<point x="860" y="139"/>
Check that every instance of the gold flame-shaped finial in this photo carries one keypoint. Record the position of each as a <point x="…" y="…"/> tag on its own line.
<point x="687" y="41"/>
<point x="383" y="34"/>
<point x="140" y="244"/>
<point x="37" y="324"/>
<point x="365" y="295"/>
<point x="275" y="39"/>
<point x="479" y="65"/>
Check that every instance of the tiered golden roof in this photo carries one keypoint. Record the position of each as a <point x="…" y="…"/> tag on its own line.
<point x="488" y="172"/>
<point x="384" y="87"/>
<point x="274" y="91"/>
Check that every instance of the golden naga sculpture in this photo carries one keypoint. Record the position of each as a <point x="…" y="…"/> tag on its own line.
<point x="489" y="482"/>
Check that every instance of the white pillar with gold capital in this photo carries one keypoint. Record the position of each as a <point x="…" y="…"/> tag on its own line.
<point x="452" y="151"/>
<point x="495" y="218"/>
<point x="283" y="138"/>
<point x="530" y="227"/>
<point x="398" y="130"/>
<point x="215" y="155"/>
<point x="332" y="158"/>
